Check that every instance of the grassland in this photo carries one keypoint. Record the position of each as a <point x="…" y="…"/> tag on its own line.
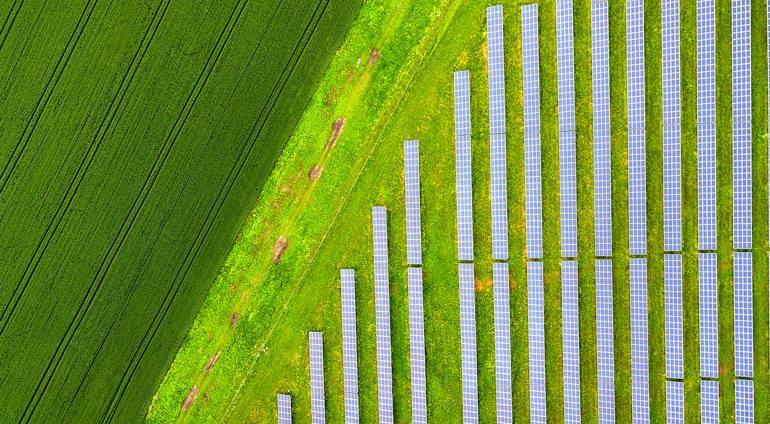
<point x="327" y="224"/>
<point x="134" y="138"/>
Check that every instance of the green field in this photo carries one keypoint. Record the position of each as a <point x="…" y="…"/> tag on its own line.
<point x="328" y="226"/>
<point x="134" y="138"/>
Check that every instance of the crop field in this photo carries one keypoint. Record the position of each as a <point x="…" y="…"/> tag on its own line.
<point x="134" y="138"/>
<point x="255" y="322"/>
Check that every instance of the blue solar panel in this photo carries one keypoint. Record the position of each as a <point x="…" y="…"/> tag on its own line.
<point x="601" y="114"/>
<point x="709" y="402"/>
<point x="565" y="65"/>
<point x="499" y="195"/>
<point x="501" y="283"/>
<point x="496" y="69"/>
<point x="284" y="408"/>
<point x="706" y="62"/>
<point x="640" y="379"/>
<point x="568" y="198"/>
<point x="742" y="185"/>
<point x="635" y="63"/>
<point x="468" y="343"/>
<point x="672" y="184"/>
<point x="744" y="312"/>
<point x="674" y="402"/>
<point x="349" y="344"/>
<point x="741" y="60"/>
<point x="382" y="314"/>
<point x="571" y="340"/>
<point x="417" y="345"/>
<point x="463" y="166"/>
<point x="605" y="350"/>
<point x="317" y="402"/>
<point x="708" y="304"/>
<point x="744" y="401"/>
<point x="637" y="193"/>
<point x="412" y="198"/>
<point x="673" y="305"/>
<point x="532" y="159"/>
<point x="707" y="191"/>
<point x="535" y="307"/>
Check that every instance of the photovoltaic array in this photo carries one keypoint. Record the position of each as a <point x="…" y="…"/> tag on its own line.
<point x="673" y="307"/>
<point x="674" y="402"/>
<point x="571" y="340"/>
<point x="468" y="343"/>
<point x="637" y="168"/>
<point x="349" y="344"/>
<point x="284" y="408"/>
<point x="417" y="345"/>
<point x="605" y="351"/>
<point x="640" y="368"/>
<point x="382" y="314"/>
<point x="600" y="63"/>
<point x="709" y="402"/>
<point x="567" y="154"/>
<point x="535" y="309"/>
<point x="744" y="401"/>
<point x="317" y="402"/>
<point x="672" y="150"/>
<point x="501" y="283"/>
<point x="744" y="312"/>
<point x="497" y="141"/>
<point x="462" y="96"/>
<point x="532" y="160"/>
<point x="707" y="199"/>
<point x="412" y="197"/>
<point x="741" y="73"/>
<point x="708" y="304"/>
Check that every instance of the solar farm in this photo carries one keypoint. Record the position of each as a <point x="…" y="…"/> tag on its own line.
<point x="566" y="221"/>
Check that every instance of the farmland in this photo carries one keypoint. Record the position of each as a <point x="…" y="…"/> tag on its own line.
<point x="328" y="227"/>
<point x="134" y="138"/>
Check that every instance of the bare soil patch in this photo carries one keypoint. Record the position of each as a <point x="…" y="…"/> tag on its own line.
<point x="190" y="398"/>
<point x="374" y="56"/>
<point x="315" y="173"/>
<point x="280" y="247"/>
<point x="337" y="127"/>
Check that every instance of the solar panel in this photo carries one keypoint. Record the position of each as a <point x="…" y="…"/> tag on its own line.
<point x="744" y="401"/>
<point x="463" y="166"/>
<point x="741" y="60"/>
<point x="496" y="69"/>
<point x="637" y="193"/>
<point x="571" y="340"/>
<point x="605" y="351"/>
<point x="349" y="344"/>
<point x="672" y="184"/>
<point x="412" y="197"/>
<point x="744" y="312"/>
<point x="284" y="408"/>
<point x="709" y="402"/>
<point x="468" y="343"/>
<point x="317" y="403"/>
<point x="640" y="386"/>
<point x="706" y="62"/>
<point x="499" y="196"/>
<point x="382" y="314"/>
<point x="565" y="65"/>
<point x="601" y="114"/>
<point x="568" y="197"/>
<point x="707" y="206"/>
<point x="742" y="185"/>
<point x="535" y="308"/>
<point x="532" y="159"/>
<point x="673" y="305"/>
<point x="501" y="283"/>
<point x="708" y="304"/>
<point x="635" y="63"/>
<point x="417" y="345"/>
<point x="674" y="402"/>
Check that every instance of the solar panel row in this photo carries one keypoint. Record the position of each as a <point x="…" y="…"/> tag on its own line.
<point x="744" y="312"/>
<point x="468" y="343"/>
<point x="497" y="150"/>
<point x="501" y="284"/>
<point x="640" y="386"/>
<point x="536" y="311"/>
<point x="349" y="344"/>
<point x="672" y="180"/>
<point x="317" y="402"/>
<point x="709" y="402"/>
<point x="601" y="116"/>
<point x="412" y="198"/>
<point x="707" y="222"/>
<point x="637" y="170"/>
<point x="532" y="159"/>
<point x="382" y="314"/>
<point x="708" y="304"/>
<point x="605" y="350"/>
<point x="744" y="401"/>
<point x="741" y="89"/>
<point x="417" y="345"/>
<point x="673" y="306"/>
<point x="463" y="166"/>
<point x="284" y="408"/>
<point x="571" y="340"/>
<point x="674" y="402"/>
<point x="567" y="165"/>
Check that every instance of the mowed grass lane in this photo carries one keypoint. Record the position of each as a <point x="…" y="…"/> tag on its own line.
<point x="134" y="139"/>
